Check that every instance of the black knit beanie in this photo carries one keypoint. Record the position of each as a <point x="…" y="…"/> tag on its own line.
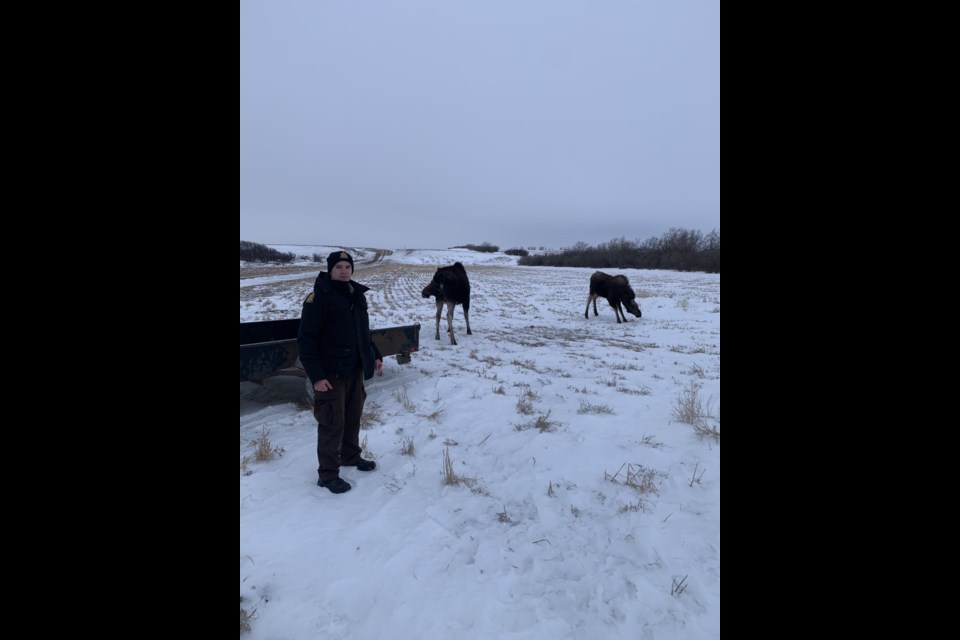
<point x="336" y="257"/>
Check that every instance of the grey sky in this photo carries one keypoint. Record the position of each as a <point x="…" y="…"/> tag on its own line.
<point x="434" y="123"/>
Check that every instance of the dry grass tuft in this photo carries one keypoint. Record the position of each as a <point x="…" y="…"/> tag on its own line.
<point x="263" y="450"/>
<point x="649" y="441"/>
<point x="638" y="477"/>
<point x="365" y="449"/>
<point x="245" y="619"/>
<point x="612" y="382"/>
<point x="524" y="406"/>
<point x="690" y="408"/>
<point x="695" y="479"/>
<point x="372" y="414"/>
<point x="676" y="588"/>
<point x="450" y="477"/>
<point x="543" y="423"/>
<point x="707" y="431"/>
<point x="401" y="396"/>
<point x="435" y="416"/>
<point x="586" y="407"/>
<point x="490" y="361"/>
<point x="408" y="448"/>
<point x="525" y="364"/>
<point x="641" y="506"/>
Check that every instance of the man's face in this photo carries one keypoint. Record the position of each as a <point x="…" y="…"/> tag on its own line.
<point x="342" y="271"/>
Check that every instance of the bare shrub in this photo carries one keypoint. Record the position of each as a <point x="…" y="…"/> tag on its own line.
<point x="500" y="390"/>
<point x="408" y="448"/>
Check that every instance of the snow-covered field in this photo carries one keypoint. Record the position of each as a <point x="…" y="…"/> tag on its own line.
<point x="585" y="507"/>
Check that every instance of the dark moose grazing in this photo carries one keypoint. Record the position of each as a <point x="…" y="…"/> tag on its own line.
<point x="451" y="287"/>
<point x="616" y="289"/>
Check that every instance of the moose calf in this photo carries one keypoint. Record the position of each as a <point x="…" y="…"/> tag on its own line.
<point x="451" y="287"/>
<point x="616" y="289"/>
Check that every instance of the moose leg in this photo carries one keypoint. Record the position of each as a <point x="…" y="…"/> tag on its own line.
<point x="617" y="311"/>
<point x="466" y="316"/>
<point x="586" y="312"/>
<point x="450" y="307"/>
<point x="439" y="308"/>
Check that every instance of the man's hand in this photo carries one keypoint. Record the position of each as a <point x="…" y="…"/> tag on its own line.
<point x="322" y="385"/>
<point x="378" y="367"/>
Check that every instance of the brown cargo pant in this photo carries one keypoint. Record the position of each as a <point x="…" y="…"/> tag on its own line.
<point x="338" y="423"/>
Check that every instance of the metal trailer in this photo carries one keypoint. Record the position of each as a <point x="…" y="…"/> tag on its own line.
<point x="269" y="348"/>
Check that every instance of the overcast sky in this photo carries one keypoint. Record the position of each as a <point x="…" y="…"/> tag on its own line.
<point x="434" y="123"/>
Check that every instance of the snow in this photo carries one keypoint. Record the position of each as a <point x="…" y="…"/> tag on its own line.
<point x="584" y="507"/>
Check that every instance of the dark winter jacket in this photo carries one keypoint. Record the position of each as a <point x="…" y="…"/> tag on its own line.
<point x="334" y="336"/>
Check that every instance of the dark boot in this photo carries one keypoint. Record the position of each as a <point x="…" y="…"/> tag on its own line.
<point x="336" y="485"/>
<point x="360" y="464"/>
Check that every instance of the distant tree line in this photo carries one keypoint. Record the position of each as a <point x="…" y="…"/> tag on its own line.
<point x="253" y="252"/>
<point x="485" y="247"/>
<point x="677" y="249"/>
<point x="517" y="252"/>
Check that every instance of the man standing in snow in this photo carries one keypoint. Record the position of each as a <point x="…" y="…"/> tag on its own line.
<point x="338" y="355"/>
